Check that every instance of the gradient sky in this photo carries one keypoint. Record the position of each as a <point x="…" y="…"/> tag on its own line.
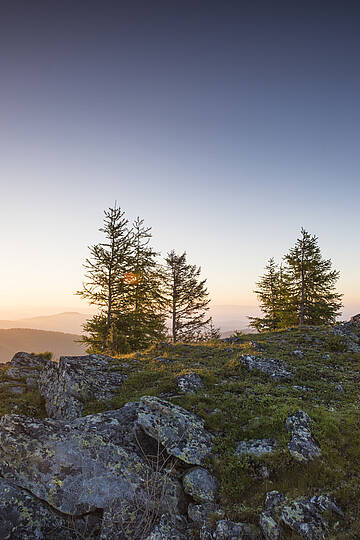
<point x="225" y="125"/>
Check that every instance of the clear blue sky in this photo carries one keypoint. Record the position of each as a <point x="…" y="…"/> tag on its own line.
<point x="227" y="126"/>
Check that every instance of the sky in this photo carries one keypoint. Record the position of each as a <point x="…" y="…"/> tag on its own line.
<point x="227" y="126"/>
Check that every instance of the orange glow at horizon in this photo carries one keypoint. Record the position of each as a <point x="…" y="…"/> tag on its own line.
<point x="130" y="278"/>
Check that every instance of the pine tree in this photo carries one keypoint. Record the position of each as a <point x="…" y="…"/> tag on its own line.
<point x="142" y="312"/>
<point x="187" y="298"/>
<point x="104" y="284"/>
<point x="268" y="292"/>
<point x="311" y="281"/>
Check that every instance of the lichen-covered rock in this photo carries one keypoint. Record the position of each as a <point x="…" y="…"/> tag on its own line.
<point x="302" y="445"/>
<point x="200" y="484"/>
<point x="257" y="447"/>
<point x="276" y="369"/>
<point x="303" y="517"/>
<point x="179" y="431"/>
<point x="199" y="513"/>
<point x="270" y="529"/>
<point x="229" y="530"/>
<point x="28" y="367"/>
<point x="24" y="517"/>
<point x="165" y="530"/>
<point x="274" y="501"/>
<point x="78" y="467"/>
<point x="326" y="503"/>
<point x="66" y="386"/>
<point x="189" y="383"/>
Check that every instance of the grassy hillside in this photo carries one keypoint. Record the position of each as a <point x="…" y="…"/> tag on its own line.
<point x="24" y="339"/>
<point x="238" y="404"/>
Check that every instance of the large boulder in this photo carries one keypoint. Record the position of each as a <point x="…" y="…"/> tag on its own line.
<point x="67" y="386"/>
<point x="276" y="369"/>
<point x="303" y="517"/>
<point x="270" y="529"/>
<point x="181" y="433"/>
<point x="24" y="517"/>
<point x="81" y="466"/>
<point x="302" y="445"/>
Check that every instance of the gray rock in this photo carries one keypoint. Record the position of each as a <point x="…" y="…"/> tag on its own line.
<point x="28" y="367"/>
<point x="79" y="467"/>
<point x="76" y="379"/>
<point x="270" y="529"/>
<point x="179" y="431"/>
<point x="303" y="517"/>
<point x="326" y="503"/>
<point x="257" y="447"/>
<point x="24" y="517"/>
<point x="229" y="530"/>
<point x="189" y="383"/>
<point x="200" y="484"/>
<point x="274" y="501"/>
<point x="298" y="354"/>
<point x="339" y="388"/>
<point x="166" y="530"/>
<point x="199" y="513"/>
<point x="302" y="445"/>
<point x="276" y="369"/>
<point x="346" y="331"/>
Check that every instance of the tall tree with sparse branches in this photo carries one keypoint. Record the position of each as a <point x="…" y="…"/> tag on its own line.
<point x="187" y="298"/>
<point x="104" y="284"/>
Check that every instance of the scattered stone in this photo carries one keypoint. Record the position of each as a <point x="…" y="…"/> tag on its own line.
<point x="276" y="369"/>
<point x="298" y="354"/>
<point x="324" y="502"/>
<point x="339" y="388"/>
<point x="346" y="331"/>
<point x="66" y="386"/>
<point x="355" y="320"/>
<point x="229" y="530"/>
<point x="200" y="484"/>
<point x="270" y="529"/>
<point x="257" y="447"/>
<point x="190" y="382"/>
<point x="302" y="388"/>
<point x="302" y="445"/>
<point x="179" y="431"/>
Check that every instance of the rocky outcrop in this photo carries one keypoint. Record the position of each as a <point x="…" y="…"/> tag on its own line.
<point x="302" y="445"/>
<point x="27" y="367"/>
<point x="189" y="383"/>
<point x="66" y="386"/>
<point x="257" y="447"/>
<point x="84" y="466"/>
<point x="346" y="331"/>
<point x="276" y="369"/>
<point x="181" y="433"/>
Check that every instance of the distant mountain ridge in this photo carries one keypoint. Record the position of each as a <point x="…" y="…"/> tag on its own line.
<point x="26" y="339"/>
<point x="70" y="322"/>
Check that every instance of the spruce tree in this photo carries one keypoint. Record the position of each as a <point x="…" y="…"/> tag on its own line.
<point x="104" y="284"/>
<point x="142" y="313"/>
<point x="186" y="298"/>
<point x="268" y="292"/>
<point x="311" y="283"/>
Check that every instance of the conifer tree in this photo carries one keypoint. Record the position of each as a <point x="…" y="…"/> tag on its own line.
<point x="311" y="281"/>
<point x="104" y="285"/>
<point x="268" y="292"/>
<point x="186" y="298"/>
<point x="142" y="313"/>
